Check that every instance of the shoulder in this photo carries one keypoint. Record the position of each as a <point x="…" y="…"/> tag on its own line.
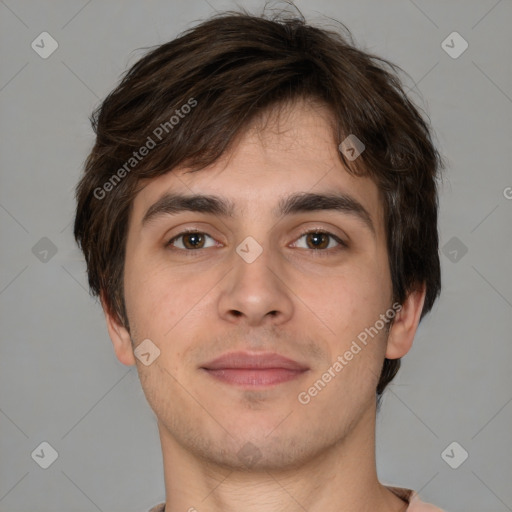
<point x="412" y="498"/>
<point x="416" y="505"/>
<point x="158" y="508"/>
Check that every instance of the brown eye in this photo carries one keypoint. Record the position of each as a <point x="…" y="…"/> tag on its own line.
<point x="320" y="242"/>
<point x="189" y="241"/>
<point x="317" y="240"/>
<point x="193" y="240"/>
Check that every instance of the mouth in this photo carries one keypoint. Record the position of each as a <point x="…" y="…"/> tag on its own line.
<point x="252" y="370"/>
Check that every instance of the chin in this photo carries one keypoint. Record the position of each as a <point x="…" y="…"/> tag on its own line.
<point x="263" y="455"/>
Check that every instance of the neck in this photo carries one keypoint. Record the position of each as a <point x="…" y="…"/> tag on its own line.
<point x="341" y="478"/>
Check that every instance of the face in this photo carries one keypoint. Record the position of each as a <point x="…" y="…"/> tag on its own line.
<point x="282" y="289"/>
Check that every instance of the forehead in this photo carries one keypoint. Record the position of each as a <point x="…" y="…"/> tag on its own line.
<point x="288" y="151"/>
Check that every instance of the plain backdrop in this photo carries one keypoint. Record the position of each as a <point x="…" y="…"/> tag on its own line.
<point x="60" y="382"/>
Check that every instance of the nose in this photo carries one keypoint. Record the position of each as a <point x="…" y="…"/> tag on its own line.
<point x="256" y="293"/>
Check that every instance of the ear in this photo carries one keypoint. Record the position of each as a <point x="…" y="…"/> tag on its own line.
<point x="405" y="324"/>
<point x="119" y="335"/>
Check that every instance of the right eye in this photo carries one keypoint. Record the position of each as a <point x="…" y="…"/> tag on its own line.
<point x="190" y="241"/>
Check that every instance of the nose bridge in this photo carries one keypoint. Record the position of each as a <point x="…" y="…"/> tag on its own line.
<point x="254" y="263"/>
<point x="254" y="290"/>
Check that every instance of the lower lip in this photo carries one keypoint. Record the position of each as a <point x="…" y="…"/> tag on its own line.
<point x="255" y="378"/>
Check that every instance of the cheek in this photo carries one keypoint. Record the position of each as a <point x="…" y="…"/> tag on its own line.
<point x="167" y="306"/>
<point x="147" y="295"/>
<point x="155" y="305"/>
<point x="147" y="280"/>
<point x="351" y="305"/>
<point x="347" y="301"/>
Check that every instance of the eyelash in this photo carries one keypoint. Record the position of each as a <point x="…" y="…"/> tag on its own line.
<point x="316" y="252"/>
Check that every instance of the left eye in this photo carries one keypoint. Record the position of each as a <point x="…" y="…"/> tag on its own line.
<point x="320" y="240"/>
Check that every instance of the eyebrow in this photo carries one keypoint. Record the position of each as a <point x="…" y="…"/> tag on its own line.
<point x="172" y="204"/>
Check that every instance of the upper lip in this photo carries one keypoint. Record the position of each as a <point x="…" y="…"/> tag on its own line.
<point x="247" y="360"/>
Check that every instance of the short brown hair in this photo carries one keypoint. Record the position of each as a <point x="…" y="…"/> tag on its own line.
<point x="232" y="68"/>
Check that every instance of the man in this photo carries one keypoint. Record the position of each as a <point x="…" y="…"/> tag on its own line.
<point x="259" y="218"/>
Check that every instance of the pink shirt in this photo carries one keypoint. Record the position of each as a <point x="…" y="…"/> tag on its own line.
<point x="409" y="496"/>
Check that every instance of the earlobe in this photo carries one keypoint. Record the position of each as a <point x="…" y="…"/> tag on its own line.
<point x="119" y="336"/>
<point x="405" y="324"/>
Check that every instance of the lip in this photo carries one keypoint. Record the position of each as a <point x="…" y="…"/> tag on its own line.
<point x="254" y="369"/>
<point x="253" y="361"/>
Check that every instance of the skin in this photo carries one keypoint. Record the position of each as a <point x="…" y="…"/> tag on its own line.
<point x="319" y="456"/>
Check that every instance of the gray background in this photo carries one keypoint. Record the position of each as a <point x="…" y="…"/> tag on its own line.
<point x="59" y="379"/>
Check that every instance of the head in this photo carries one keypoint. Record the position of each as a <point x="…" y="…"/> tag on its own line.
<point x="254" y="110"/>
